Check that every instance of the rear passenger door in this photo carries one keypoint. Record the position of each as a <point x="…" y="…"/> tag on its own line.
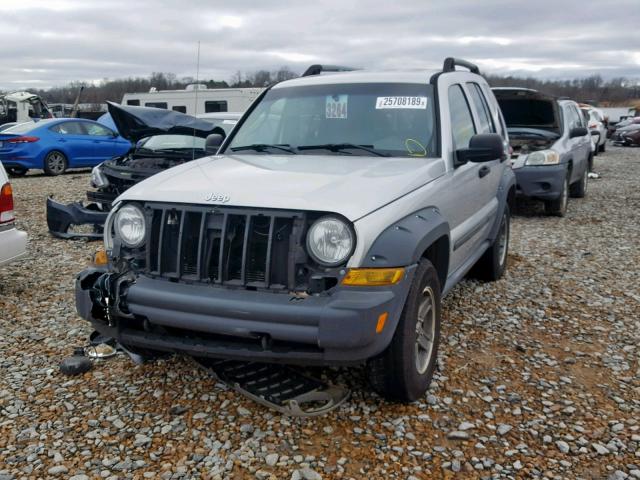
<point x="72" y="139"/>
<point x="580" y="146"/>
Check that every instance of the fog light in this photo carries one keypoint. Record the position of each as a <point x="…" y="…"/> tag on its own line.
<point x="373" y="277"/>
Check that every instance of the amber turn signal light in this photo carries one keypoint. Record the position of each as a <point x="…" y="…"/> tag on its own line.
<point x="373" y="277"/>
<point x="100" y="258"/>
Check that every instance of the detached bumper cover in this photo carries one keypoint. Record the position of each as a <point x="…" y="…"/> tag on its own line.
<point x="541" y="182"/>
<point x="61" y="217"/>
<point x="220" y="322"/>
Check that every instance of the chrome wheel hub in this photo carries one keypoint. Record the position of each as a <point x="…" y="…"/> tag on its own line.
<point x="425" y="330"/>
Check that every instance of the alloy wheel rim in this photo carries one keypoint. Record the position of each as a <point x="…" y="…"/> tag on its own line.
<point x="425" y="330"/>
<point x="56" y="162"/>
<point x="585" y="182"/>
<point x="503" y="239"/>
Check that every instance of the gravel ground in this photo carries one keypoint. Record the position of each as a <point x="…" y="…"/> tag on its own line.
<point x="539" y="373"/>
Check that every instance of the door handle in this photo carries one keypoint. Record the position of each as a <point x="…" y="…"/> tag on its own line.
<point x="484" y="171"/>
<point x="61" y="140"/>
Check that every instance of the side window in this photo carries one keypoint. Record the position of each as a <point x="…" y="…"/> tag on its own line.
<point x="99" y="130"/>
<point x="135" y="103"/>
<point x="213" y="106"/>
<point x="480" y="103"/>
<point x="462" y="127"/>
<point x="179" y="108"/>
<point x="156" y="104"/>
<point x="69" y="128"/>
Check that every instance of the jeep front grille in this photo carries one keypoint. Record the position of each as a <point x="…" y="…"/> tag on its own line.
<point x="226" y="246"/>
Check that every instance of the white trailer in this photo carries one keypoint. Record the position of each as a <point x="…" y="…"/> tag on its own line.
<point x="208" y="100"/>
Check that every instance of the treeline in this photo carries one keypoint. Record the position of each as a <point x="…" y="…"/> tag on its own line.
<point x="113" y="90"/>
<point x="592" y="89"/>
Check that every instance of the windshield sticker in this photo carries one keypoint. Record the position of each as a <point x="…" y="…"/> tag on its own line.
<point x="336" y="106"/>
<point x="401" y="102"/>
<point x="229" y="122"/>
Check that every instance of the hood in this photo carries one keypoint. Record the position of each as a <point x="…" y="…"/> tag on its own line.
<point x="350" y="185"/>
<point x="525" y="108"/>
<point x="134" y="123"/>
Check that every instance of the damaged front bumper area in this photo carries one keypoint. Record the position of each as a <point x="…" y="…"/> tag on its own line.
<point x="63" y="219"/>
<point x="207" y="321"/>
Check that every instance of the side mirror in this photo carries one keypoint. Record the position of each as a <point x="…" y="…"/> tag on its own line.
<point x="213" y="142"/>
<point x="483" y="147"/>
<point x="578" y="132"/>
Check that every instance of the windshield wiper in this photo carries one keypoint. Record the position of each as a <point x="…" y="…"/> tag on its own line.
<point x="337" y="147"/>
<point x="261" y="147"/>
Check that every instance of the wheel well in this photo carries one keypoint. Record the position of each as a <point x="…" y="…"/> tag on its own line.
<point x="438" y="255"/>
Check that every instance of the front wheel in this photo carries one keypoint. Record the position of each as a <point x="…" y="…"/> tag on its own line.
<point x="55" y="163"/>
<point x="558" y="206"/>
<point x="493" y="263"/>
<point x="404" y="370"/>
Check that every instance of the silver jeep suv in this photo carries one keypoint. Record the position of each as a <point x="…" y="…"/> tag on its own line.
<point x="326" y="230"/>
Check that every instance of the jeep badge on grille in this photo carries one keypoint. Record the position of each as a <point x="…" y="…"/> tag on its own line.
<point x="217" y="198"/>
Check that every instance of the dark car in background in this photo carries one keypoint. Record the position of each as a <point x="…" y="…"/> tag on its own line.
<point x="627" y="132"/>
<point x="162" y="139"/>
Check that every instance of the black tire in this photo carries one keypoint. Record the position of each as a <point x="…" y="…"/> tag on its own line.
<point x="602" y="147"/>
<point x="17" y="171"/>
<point x="558" y="206"/>
<point x="579" y="189"/>
<point x="404" y="370"/>
<point x="590" y="164"/>
<point x="491" y="266"/>
<point x="55" y="163"/>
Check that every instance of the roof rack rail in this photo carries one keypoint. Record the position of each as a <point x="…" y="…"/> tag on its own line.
<point x="317" y="69"/>
<point x="451" y="62"/>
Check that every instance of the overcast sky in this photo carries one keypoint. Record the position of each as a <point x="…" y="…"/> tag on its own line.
<point x="52" y="42"/>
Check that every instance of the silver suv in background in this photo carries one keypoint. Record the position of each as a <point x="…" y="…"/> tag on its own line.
<point x="327" y="229"/>
<point x="552" y="151"/>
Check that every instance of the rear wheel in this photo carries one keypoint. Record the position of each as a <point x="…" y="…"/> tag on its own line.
<point x="558" y="206"/>
<point x="404" y="370"/>
<point x="55" y="163"/>
<point x="595" y="150"/>
<point x="602" y="147"/>
<point x="493" y="262"/>
<point x="17" y="171"/>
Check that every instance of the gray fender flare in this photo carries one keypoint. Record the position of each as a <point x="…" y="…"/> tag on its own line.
<point x="505" y="194"/>
<point x="404" y="242"/>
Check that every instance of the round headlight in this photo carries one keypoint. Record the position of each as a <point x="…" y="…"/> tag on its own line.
<point x="130" y="226"/>
<point x="330" y="241"/>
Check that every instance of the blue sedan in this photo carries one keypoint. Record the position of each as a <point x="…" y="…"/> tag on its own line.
<point x="57" y="144"/>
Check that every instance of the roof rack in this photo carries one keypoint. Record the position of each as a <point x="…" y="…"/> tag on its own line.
<point x="317" y="69"/>
<point x="451" y="62"/>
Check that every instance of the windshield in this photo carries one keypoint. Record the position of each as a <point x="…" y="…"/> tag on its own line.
<point x="527" y="112"/>
<point x="172" y="142"/>
<point x="350" y="119"/>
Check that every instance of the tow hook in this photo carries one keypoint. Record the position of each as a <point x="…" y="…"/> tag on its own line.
<point x="108" y="293"/>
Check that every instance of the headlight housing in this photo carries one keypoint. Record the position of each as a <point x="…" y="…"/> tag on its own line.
<point x="543" y="157"/>
<point x="130" y="226"/>
<point x="330" y="241"/>
<point x="98" y="179"/>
